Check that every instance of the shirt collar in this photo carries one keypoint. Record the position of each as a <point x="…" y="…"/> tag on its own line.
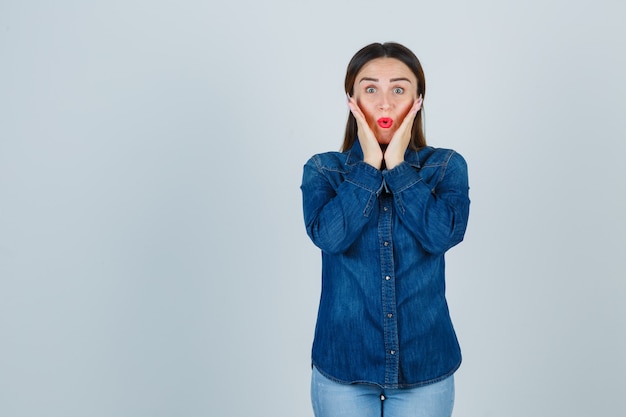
<point x="355" y="154"/>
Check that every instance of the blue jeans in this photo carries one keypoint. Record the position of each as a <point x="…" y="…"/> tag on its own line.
<point x="332" y="399"/>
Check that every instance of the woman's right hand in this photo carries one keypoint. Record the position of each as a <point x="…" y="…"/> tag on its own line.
<point x="372" y="153"/>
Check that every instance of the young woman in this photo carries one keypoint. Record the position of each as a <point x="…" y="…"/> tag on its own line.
<point x="383" y="212"/>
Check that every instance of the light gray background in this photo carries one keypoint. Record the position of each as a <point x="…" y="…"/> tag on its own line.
<point x="153" y="259"/>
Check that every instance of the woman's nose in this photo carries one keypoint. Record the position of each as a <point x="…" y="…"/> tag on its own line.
<point x="384" y="103"/>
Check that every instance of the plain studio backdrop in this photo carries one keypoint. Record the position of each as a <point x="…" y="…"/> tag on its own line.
<point x="153" y="257"/>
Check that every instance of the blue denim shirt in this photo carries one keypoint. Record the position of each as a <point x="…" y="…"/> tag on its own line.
<point x="383" y="317"/>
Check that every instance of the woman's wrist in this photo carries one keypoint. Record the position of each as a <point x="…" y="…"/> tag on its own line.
<point x="393" y="161"/>
<point x="375" y="162"/>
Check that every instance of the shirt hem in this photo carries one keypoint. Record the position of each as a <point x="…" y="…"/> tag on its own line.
<point x="389" y="386"/>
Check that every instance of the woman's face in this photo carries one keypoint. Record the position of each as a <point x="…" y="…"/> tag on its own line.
<point x="385" y="90"/>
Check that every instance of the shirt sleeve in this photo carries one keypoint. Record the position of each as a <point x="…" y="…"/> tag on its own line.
<point x="336" y="211"/>
<point x="436" y="213"/>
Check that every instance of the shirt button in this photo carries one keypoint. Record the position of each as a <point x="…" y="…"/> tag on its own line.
<point x="386" y="243"/>
<point x="385" y="209"/>
<point x="389" y="315"/>
<point x="393" y="352"/>
<point x="387" y="278"/>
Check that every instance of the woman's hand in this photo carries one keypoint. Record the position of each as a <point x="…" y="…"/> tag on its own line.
<point x="394" y="154"/>
<point x="372" y="153"/>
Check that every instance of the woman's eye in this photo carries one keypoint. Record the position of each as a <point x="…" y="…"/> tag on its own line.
<point x="398" y="90"/>
<point x="370" y="90"/>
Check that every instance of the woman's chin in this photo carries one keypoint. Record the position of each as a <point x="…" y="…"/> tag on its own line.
<point x="384" y="138"/>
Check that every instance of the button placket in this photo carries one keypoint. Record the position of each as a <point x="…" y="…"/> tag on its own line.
<point x="388" y="291"/>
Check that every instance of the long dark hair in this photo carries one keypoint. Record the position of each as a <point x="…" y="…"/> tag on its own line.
<point x="385" y="50"/>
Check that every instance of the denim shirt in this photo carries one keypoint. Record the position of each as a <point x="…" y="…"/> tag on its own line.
<point x="383" y="317"/>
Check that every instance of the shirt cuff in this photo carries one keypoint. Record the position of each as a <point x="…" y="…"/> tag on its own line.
<point x="366" y="176"/>
<point x="401" y="177"/>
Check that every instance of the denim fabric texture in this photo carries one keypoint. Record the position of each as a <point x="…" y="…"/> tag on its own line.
<point x="383" y="317"/>
<point x="333" y="399"/>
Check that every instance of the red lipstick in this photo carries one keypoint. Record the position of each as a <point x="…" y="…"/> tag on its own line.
<point x="385" y="122"/>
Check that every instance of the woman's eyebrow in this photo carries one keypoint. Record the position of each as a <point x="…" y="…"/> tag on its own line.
<point x="391" y="80"/>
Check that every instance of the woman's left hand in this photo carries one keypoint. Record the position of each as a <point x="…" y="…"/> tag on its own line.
<point x="394" y="154"/>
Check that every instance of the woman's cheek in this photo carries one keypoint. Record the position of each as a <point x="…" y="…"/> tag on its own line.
<point x="405" y="110"/>
<point x="369" y="117"/>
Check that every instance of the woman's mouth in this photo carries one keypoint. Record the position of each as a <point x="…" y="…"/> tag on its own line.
<point x="385" y="122"/>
